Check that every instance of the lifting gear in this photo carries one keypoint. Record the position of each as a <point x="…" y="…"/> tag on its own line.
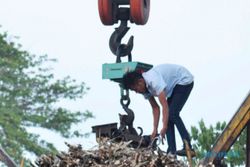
<point x="111" y="12"/>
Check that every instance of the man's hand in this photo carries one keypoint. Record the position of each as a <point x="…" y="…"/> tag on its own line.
<point x="163" y="133"/>
<point x="154" y="134"/>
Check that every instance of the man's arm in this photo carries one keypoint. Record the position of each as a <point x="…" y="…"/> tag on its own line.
<point x="156" y="115"/>
<point x="165" y="113"/>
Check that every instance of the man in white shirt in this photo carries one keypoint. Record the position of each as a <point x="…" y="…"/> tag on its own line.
<point x="172" y="85"/>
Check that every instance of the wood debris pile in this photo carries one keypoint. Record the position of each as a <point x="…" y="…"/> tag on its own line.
<point x="109" y="154"/>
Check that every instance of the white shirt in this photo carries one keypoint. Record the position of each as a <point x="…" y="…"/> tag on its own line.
<point x="165" y="77"/>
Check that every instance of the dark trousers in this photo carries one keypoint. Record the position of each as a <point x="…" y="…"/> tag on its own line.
<point x="175" y="103"/>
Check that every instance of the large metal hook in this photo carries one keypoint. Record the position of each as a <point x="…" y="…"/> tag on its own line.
<point x="118" y="49"/>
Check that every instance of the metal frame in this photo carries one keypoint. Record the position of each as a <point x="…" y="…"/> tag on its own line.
<point x="104" y="130"/>
<point x="232" y="131"/>
<point x="5" y="158"/>
<point x="248" y="145"/>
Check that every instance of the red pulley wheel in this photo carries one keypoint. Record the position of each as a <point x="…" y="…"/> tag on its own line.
<point x="139" y="11"/>
<point x="105" y="11"/>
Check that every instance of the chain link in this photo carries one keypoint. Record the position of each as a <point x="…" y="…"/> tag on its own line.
<point x="125" y="100"/>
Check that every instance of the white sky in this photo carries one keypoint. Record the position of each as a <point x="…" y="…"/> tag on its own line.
<point x="210" y="37"/>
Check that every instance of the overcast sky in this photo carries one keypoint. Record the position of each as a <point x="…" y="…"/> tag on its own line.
<point x="209" y="37"/>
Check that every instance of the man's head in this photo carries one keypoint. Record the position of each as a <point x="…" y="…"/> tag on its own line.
<point x="134" y="81"/>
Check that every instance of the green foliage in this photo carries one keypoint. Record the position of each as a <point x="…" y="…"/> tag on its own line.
<point x="204" y="137"/>
<point x="28" y="97"/>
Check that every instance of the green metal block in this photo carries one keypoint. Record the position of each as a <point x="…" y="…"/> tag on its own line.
<point x="115" y="71"/>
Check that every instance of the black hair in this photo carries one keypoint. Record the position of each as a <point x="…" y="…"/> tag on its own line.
<point x="130" y="78"/>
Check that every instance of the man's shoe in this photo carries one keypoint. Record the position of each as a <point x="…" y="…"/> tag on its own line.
<point x="182" y="152"/>
<point x="172" y="156"/>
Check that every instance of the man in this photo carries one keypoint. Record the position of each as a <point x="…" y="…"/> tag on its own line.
<point x="172" y="85"/>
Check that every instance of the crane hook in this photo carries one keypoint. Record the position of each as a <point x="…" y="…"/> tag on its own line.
<point x="115" y="45"/>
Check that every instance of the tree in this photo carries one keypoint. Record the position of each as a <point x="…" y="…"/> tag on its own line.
<point x="204" y="137"/>
<point x="28" y="97"/>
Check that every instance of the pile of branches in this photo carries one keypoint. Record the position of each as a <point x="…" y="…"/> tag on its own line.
<point x="109" y="154"/>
